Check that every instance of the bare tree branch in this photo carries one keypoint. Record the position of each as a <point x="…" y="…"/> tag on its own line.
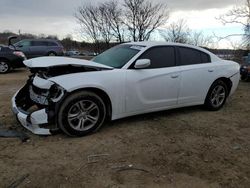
<point x="239" y="15"/>
<point x="177" y="32"/>
<point x="142" y="18"/>
<point x="114" y="16"/>
<point x="199" y="39"/>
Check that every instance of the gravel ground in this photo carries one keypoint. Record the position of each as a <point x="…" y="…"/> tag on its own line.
<point x="188" y="147"/>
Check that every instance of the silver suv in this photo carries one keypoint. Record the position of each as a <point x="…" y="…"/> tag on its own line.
<point x="40" y="47"/>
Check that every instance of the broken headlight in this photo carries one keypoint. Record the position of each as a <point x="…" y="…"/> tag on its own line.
<point x="56" y="93"/>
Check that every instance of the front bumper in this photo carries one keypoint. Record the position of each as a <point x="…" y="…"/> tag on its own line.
<point x="31" y="120"/>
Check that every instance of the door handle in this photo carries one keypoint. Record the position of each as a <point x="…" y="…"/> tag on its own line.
<point x="210" y="70"/>
<point x="174" y="76"/>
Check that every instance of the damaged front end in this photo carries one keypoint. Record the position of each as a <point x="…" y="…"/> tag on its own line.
<point x="35" y="105"/>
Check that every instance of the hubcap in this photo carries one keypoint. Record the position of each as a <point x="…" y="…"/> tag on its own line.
<point x="3" y="67"/>
<point x="218" y="96"/>
<point x="83" y="115"/>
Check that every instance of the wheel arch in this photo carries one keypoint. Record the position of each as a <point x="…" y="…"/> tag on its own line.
<point x="102" y="94"/>
<point x="3" y="58"/>
<point x="226" y="80"/>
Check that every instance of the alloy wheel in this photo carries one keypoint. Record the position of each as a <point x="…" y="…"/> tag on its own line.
<point x="83" y="115"/>
<point x="218" y="96"/>
<point x="4" y="67"/>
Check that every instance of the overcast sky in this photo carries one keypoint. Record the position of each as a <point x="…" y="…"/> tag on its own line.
<point x="56" y="16"/>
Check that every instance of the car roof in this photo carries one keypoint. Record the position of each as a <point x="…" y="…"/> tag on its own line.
<point x="53" y="40"/>
<point x="150" y="44"/>
<point x="155" y="43"/>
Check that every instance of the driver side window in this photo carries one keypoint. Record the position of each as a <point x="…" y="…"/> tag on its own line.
<point x="161" y="57"/>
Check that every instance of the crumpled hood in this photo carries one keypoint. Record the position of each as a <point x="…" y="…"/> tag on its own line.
<point x="43" y="62"/>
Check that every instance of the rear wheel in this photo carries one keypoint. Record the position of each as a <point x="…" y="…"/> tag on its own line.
<point x="4" y="66"/>
<point x="81" y="113"/>
<point x="217" y="95"/>
<point x="245" y="78"/>
<point x="51" y="54"/>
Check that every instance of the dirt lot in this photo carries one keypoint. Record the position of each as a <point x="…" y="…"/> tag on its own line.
<point x="188" y="147"/>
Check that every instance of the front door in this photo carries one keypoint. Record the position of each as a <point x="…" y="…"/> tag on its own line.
<point x="155" y="87"/>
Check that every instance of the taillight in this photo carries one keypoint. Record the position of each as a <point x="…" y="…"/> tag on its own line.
<point x="20" y="54"/>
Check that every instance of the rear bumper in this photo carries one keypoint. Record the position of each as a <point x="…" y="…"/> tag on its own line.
<point x="235" y="82"/>
<point x="31" y="120"/>
<point x="17" y="63"/>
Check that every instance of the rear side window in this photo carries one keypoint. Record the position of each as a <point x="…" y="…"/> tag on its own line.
<point x="205" y="58"/>
<point x="39" y="43"/>
<point x="52" y="43"/>
<point x="190" y="56"/>
<point x="160" y="57"/>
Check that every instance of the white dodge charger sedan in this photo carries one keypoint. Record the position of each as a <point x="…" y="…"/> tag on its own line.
<point x="77" y="96"/>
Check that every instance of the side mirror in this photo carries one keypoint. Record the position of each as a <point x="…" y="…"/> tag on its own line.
<point x="142" y="63"/>
<point x="20" y="46"/>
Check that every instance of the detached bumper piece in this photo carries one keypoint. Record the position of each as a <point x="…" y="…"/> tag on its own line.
<point x="29" y="115"/>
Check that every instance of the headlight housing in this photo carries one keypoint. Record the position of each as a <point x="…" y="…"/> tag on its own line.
<point x="56" y="93"/>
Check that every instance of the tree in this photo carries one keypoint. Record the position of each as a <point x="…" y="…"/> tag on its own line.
<point x="177" y="32"/>
<point x="142" y="18"/>
<point x="103" y="24"/>
<point x="239" y="15"/>
<point x="86" y="16"/>
<point x="99" y="23"/>
<point x="199" y="39"/>
<point x="114" y="16"/>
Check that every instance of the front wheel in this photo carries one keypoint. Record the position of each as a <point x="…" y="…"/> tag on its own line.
<point x="81" y="113"/>
<point x="216" y="96"/>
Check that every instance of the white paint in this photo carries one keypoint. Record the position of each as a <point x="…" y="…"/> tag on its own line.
<point x="42" y="83"/>
<point x="138" y="91"/>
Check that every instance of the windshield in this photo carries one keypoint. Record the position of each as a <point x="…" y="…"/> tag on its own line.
<point x="117" y="56"/>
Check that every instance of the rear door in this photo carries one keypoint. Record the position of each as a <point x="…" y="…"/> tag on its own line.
<point x="155" y="87"/>
<point x="38" y="48"/>
<point x="197" y="75"/>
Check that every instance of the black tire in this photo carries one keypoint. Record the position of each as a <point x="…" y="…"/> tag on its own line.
<point x="4" y="66"/>
<point x="52" y="54"/>
<point x="245" y="78"/>
<point x="71" y="102"/>
<point x="209" y="102"/>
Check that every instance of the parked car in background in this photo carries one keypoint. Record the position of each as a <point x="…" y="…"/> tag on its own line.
<point x="133" y="78"/>
<point x="72" y="53"/>
<point x="10" y="59"/>
<point x="245" y="69"/>
<point x="40" y="47"/>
